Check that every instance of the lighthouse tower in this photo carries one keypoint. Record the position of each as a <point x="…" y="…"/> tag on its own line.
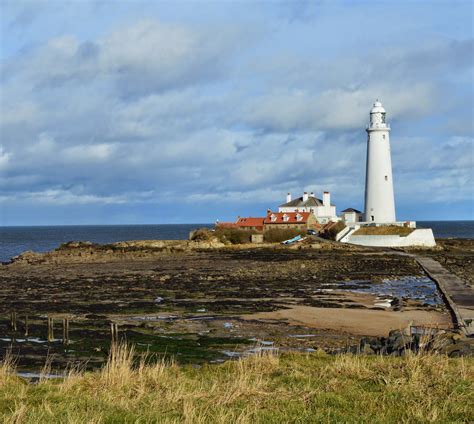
<point x="379" y="199"/>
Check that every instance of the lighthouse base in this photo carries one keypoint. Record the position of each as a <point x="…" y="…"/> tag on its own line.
<point x="388" y="235"/>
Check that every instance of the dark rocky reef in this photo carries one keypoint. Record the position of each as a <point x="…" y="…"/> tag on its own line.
<point x="448" y="342"/>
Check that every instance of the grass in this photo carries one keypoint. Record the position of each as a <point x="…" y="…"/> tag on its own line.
<point x="260" y="389"/>
<point x="387" y="230"/>
<point x="277" y="235"/>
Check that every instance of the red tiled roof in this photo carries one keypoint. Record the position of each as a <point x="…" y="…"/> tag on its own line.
<point x="249" y="222"/>
<point x="292" y="217"/>
<point x="226" y="225"/>
<point x="243" y="223"/>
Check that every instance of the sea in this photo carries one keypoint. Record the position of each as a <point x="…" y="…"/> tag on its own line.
<point x="15" y="240"/>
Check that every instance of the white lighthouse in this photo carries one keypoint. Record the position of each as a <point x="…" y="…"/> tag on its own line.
<point x="380" y="227"/>
<point x="379" y="198"/>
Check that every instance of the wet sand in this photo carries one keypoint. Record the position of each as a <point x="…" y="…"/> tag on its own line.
<point x="355" y="321"/>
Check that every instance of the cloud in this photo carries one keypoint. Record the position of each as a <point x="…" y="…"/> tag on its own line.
<point x="63" y="197"/>
<point x="142" y="58"/>
<point x="336" y="108"/>
<point x="4" y="159"/>
<point x="152" y="113"/>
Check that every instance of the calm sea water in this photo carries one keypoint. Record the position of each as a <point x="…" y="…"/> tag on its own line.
<point x="15" y="240"/>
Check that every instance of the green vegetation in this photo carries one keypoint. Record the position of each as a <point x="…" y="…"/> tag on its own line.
<point x="202" y="234"/>
<point x="266" y="388"/>
<point x="277" y="235"/>
<point x="242" y="236"/>
<point x="386" y="230"/>
<point x="224" y="235"/>
<point x="234" y="235"/>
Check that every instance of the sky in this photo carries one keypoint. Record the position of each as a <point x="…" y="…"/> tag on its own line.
<point x="115" y="112"/>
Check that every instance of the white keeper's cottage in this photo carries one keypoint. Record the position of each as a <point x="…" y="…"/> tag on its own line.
<point x="323" y="210"/>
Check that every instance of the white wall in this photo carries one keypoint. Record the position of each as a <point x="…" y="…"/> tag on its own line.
<point x="323" y="213"/>
<point x="349" y="217"/>
<point x="421" y="237"/>
<point x="326" y="211"/>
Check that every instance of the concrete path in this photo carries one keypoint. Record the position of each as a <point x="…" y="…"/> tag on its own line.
<point x="460" y="296"/>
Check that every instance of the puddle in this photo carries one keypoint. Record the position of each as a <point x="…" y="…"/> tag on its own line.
<point x="153" y="318"/>
<point x="36" y="375"/>
<point x="28" y="340"/>
<point x="420" y="289"/>
<point x="302" y="336"/>
<point x="231" y="354"/>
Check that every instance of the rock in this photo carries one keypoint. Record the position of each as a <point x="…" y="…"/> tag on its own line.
<point x="398" y="341"/>
<point x="441" y="342"/>
<point x="367" y="350"/>
<point x="461" y="348"/>
<point x="28" y="257"/>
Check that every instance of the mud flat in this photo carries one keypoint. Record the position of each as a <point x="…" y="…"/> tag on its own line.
<point x="203" y="302"/>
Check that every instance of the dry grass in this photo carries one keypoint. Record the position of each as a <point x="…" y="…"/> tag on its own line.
<point x="262" y="388"/>
<point x="277" y="235"/>
<point x="387" y="230"/>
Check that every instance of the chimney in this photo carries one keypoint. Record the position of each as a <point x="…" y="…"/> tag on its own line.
<point x="288" y="198"/>
<point x="305" y="196"/>
<point x="326" y="199"/>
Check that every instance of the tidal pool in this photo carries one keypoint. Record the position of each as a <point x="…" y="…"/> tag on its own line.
<point x="421" y="289"/>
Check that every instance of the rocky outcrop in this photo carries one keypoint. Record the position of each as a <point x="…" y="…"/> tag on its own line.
<point x="72" y="252"/>
<point x="449" y="342"/>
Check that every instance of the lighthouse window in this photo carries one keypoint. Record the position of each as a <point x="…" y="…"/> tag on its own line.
<point x="386" y="178"/>
<point x="383" y="136"/>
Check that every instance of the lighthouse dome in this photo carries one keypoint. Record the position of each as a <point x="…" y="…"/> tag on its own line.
<point x="377" y="108"/>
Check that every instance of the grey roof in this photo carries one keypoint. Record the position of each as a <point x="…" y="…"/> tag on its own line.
<point x="351" y="210"/>
<point x="312" y="201"/>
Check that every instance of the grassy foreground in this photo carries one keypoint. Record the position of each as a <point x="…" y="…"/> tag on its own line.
<point x="275" y="389"/>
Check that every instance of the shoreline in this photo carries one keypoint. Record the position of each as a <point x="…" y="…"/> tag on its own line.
<point x="198" y="300"/>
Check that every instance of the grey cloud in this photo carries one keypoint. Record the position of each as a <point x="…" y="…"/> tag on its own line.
<point x="152" y="113"/>
<point x="145" y="57"/>
<point x="335" y="109"/>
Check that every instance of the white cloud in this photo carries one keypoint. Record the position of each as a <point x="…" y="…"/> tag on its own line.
<point x="89" y="153"/>
<point x="337" y="108"/>
<point x="4" y="159"/>
<point x="154" y="112"/>
<point x="63" y="197"/>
